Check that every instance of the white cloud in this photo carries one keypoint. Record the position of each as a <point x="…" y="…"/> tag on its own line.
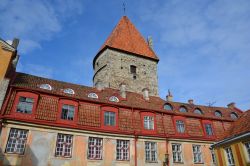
<point x="205" y="53"/>
<point x="38" y="70"/>
<point x="34" y="21"/>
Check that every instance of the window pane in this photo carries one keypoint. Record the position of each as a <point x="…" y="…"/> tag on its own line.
<point x="68" y="112"/>
<point x="17" y="141"/>
<point x="64" y="145"/>
<point x="25" y="105"/>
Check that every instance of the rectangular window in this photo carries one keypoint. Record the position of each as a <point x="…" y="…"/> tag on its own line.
<point x="64" y="145"/>
<point x="133" y="69"/>
<point x="68" y="112"/>
<point x="247" y="145"/>
<point x="197" y="154"/>
<point x="17" y="141"/>
<point x="209" y="130"/>
<point x="177" y="153"/>
<point x="180" y="126"/>
<point x="95" y="148"/>
<point x="25" y="105"/>
<point x="109" y="118"/>
<point x="151" y="150"/>
<point x="213" y="156"/>
<point x="149" y="122"/>
<point x="122" y="150"/>
<point x="230" y="158"/>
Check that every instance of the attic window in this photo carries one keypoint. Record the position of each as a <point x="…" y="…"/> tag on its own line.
<point x="93" y="95"/>
<point x="234" y="115"/>
<point x="114" y="99"/>
<point x="132" y="69"/>
<point x="168" y="107"/>
<point x="218" y="113"/>
<point x="69" y="91"/>
<point x="198" y="111"/>
<point x="183" y="109"/>
<point x="45" y="86"/>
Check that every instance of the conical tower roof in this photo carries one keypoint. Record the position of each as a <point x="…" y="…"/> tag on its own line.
<point x="125" y="37"/>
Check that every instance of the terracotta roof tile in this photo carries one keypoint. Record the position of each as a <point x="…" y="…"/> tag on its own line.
<point x="127" y="38"/>
<point x="133" y="99"/>
<point x="240" y="126"/>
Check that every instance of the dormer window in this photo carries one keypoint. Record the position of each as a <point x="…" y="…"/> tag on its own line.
<point x="197" y="111"/>
<point x="114" y="99"/>
<point x="45" y="86"/>
<point x="218" y="113"/>
<point x="132" y="69"/>
<point x="93" y="95"/>
<point x="183" y="109"/>
<point x="69" y="91"/>
<point x="233" y="115"/>
<point x="168" y="107"/>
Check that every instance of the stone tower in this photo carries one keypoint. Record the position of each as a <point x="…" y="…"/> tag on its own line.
<point x="126" y="59"/>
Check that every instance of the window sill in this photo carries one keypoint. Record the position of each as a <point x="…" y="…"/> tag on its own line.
<point x="13" y="154"/>
<point x="61" y="157"/>
<point x="151" y="161"/>
<point x="179" y="162"/>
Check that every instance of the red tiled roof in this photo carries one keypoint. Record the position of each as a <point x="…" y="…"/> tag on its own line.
<point x="134" y="100"/>
<point x="127" y="38"/>
<point x="240" y="126"/>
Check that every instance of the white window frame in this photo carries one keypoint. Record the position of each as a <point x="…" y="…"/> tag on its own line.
<point x="93" y="95"/>
<point x="23" y="105"/>
<point x="197" y="154"/>
<point x="69" y="91"/>
<point x="148" y="122"/>
<point x="68" y="112"/>
<point x="122" y="150"/>
<point x="180" y="125"/>
<point x="213" y="156"/>
<point x="45" y="86"/>
<point x="108" y="117"/>
<point x="150" y="151"/>
<point x="95" y="146"/>
<point x="64" y="145"/>
<point x="177" y="153"/>
<point x="247" y="149"/>
<point x="16" y="141"/>
<point x="114" y="99"/>
<point x="229" y="156"/>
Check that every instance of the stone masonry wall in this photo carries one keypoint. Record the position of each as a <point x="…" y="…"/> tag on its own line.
<point x="113" y="68"/>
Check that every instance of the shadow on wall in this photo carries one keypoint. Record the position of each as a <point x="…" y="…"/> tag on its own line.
<point x="28" y="159"/>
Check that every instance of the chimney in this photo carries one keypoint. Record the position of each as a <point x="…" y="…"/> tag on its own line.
<point x="150" y="42"/>
<point x="145" y="93"/>
<point x="15" y="43"/>
<point x="191" y="101"/>
<point x="123" y="90"/>
<point x="99" y="85"/>
<point x="169" y="97"/>
<point x="231" y="105"/>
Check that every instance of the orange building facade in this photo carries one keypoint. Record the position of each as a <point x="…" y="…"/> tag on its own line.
<point x="50" y="122"/>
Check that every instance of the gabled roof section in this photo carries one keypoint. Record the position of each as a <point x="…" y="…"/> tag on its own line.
<point x="126" y="37"/>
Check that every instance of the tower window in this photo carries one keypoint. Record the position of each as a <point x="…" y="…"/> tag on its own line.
<point x="132" y="69"/>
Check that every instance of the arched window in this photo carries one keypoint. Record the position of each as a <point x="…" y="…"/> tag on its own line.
<point x="183" y="109"/>
<point x="69" y="91"/>
<point x="234" y="115"/>
<point x="114" y="99"/>
<point x="198" y="111"/>
<point x="45" y="86"/>
<point x="168" y="107"/>
<point x="93" y="95"/>
<point x="217" y="113"/>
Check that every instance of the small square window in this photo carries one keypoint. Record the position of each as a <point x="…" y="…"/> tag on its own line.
<point x="17" y="141"/>
<point x="25" y="105"/>
<point x="149" y="122"/>
<point x="109" y="118"/>
<point x="180" y="126"/>
<point x="64" y="145"/>
<point x="68" y="112"/>
<point x="132" y="69"/>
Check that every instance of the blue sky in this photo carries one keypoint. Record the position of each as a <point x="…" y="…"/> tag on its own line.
<point x="203" y="46"/>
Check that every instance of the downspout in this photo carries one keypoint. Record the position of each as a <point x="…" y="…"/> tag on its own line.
<point x="167" y="155"/>
<point x="135" y="139"/>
